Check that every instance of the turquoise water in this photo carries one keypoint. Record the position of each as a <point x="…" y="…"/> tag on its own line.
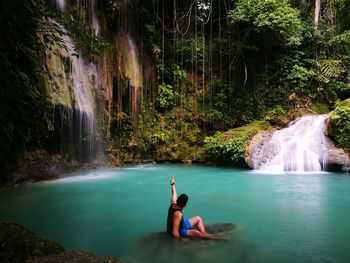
<point x="280" y="218"/>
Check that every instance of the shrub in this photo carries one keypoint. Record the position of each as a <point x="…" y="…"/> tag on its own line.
<point x="340" y="124"/>
<point x="231" y="145"/>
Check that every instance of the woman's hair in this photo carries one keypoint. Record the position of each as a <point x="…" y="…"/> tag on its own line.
<point x="182" y="200"/>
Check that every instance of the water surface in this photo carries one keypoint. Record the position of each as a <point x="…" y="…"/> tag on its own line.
<point x="280" y="218"/>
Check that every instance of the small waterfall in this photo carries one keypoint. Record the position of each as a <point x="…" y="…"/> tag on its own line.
<point x="95" y="25"/>
<point x="134" y="70"/>
<point x="300" y="147"/>
<point x="59" y="4"/>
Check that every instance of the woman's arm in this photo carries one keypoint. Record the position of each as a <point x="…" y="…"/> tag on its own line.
<point x="173" y="191"/>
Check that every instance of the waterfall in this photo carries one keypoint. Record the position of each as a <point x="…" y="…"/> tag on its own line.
<point x="134" y="71"/>
<point x="73" y="84"/>
<point x="94" y="21"/>
<point x="59" y="4"/>
<point x="300" y="147"/>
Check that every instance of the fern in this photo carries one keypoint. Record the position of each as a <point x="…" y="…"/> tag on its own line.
<point x="330" y="69"/>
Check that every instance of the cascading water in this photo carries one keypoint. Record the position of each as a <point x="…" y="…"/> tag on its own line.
<point x="94" y="21"/>
<point x="300" y="147"/>
<point x="134" y="71"/>
<point x="59" y="4"/>
<point x="73" y="87"/>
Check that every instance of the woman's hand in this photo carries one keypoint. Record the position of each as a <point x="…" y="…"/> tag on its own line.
<point x="172" y="180"/>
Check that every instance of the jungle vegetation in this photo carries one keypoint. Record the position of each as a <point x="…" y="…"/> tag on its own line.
<point x="217" y="65"/>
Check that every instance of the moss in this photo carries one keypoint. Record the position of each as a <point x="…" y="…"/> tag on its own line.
<point x="320" y="108"/>
<point x="246" y="132"/>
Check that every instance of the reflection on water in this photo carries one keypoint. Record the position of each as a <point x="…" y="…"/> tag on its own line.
<point x="118" y="212"/>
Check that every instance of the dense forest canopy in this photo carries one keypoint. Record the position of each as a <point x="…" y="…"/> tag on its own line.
<point x="206" y="66"/>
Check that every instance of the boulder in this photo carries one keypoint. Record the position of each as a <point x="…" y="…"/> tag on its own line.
<point x="18" y="244"/>
<point x="254" y="147"/>
<point x="75" y="256"/>
<point x="337" y="159"/>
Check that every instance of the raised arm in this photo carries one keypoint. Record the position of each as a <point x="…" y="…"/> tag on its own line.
<point x="173" y="191"/>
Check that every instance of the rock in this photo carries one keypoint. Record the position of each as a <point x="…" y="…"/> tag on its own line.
<point x="75" y="256"/>
<point x="254" y="147"/>
<point x="162" y="240"/>
<point x="40" y="165"/>
<point x="18" y="244"/>
<point x="337" y="159"/>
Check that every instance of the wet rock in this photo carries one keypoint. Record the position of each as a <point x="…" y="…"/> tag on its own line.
<point x="39" y="165"/>
<point x="75" y="256"/>
<point x="162" y="240"/>
<point x="18" y="244"/>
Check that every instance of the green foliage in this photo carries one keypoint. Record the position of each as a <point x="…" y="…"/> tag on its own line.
<point x="320" y="108"/>
<point x="231" y="145"/>
<point x="343" y="38"/>
<point x="169" y="136"/>
<point x="298" y="72"/>
<point x="343" y="14"/>
<point x="340" y="123"/>
<point x="25" y="114"/>
<point x="330" y="69"/>
<point x="276" y="115"/>
<point x="275" y="15"/>
<point x="233" y="149"/>
<point x="86" y="42"/>
<point x="166" y="96"/>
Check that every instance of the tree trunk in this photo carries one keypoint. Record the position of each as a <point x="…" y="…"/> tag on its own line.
<point x="317" y="12"/>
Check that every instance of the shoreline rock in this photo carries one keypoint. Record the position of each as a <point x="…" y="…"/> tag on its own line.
<point x="21" y="245"/>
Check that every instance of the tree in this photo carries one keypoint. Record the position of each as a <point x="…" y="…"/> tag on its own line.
<point x="317" y="12"/>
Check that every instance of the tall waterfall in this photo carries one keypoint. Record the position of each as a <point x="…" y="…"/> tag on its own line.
<point x="73" y="84"/>
<point x="300" y="147"/>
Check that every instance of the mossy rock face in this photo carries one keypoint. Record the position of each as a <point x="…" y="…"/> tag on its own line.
<point x="320" y="108"/>
<point x="19" y="244"/>
<point x="246" y="132"/>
